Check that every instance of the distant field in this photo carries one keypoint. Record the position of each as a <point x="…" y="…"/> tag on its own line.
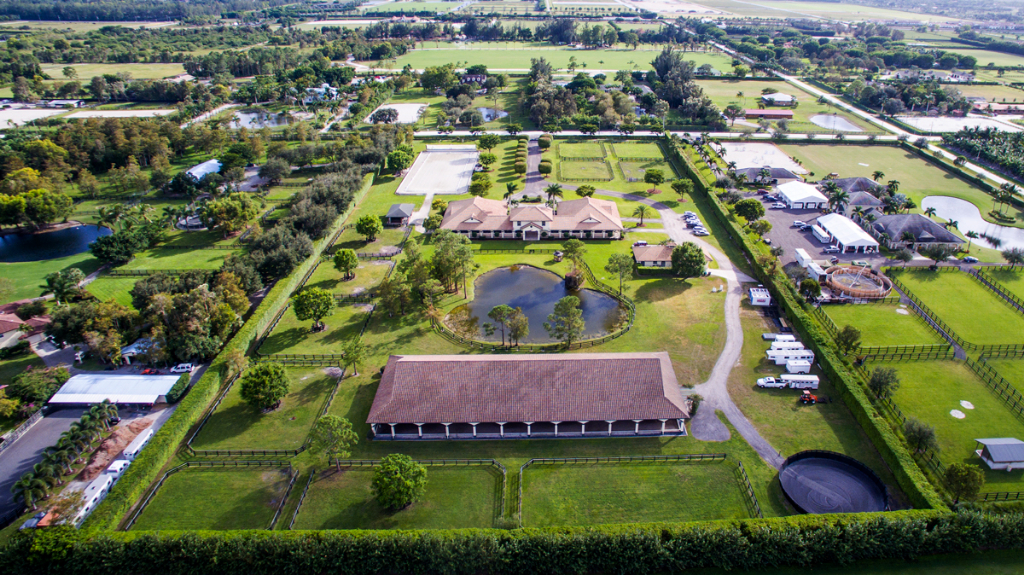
<point x="1011" y="280"/>
<point x="175" y="259"/>
<point x="985" y="57"/>
<point x="828" y="10"/>
<point x="992" y="93"/>
<point x="414" y="6"/>
<point x="517" y="55"/>
<point x="581" y="150"/>
<point x="80" y="26"/>
<point x="137" y="71"/>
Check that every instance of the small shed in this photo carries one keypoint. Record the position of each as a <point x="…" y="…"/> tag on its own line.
<point x="399" y="214"/>
<point x="656" y="256"/>
<point x="1001" y="453"/>
<point x="760" y="296"/>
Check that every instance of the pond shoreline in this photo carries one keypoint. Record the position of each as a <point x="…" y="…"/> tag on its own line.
<point x="23" y="230"/>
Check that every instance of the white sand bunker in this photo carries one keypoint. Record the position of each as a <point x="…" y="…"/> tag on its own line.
<point x="833" y="122"/>
<point x="948" y="124"/>
<point x="957" y="414"/>
<point x="966" y="404"/>
<point x="407" y="113"/>
<point x="11" y="118"/>
<point x="902" y="311"/>
<point x="440" y="170"/>
<point x="759" y="155"/>
<point x="119" y="114"/>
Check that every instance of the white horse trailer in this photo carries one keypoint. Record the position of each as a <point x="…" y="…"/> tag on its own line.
<point x="798" y="366"/>
<point x="787" y="345"/>
<point x="795" y="381"/>
<point x="781" y="356"/>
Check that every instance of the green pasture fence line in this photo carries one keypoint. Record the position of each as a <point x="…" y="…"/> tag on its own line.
<point x="699" y="457"/>
<point x="153" y="491"/>
<point x="1000" y="290"/>
<point x="211" y="409"/>
<point x="204" y="247"/>
<point x="825" y="320"/>
<point x="947" y="353"/>
<point x="1006" y="354"/>
<point x="882" y="350"/>
<point x="141" y="273"/>
<point x="1002" y="496"/>
<point x="750" y="490"/>
<point x="940" y="326"/>
<point x="1004" y="389"/>
<point x="302" y="498"/>
<point x="280" y="506"/>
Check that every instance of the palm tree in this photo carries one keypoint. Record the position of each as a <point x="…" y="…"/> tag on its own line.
<point x="764" y="175"/>
<point x="510" y="188"/>
<point x="740" y="179"/>
<point x="858" y="212"/>
<point x="952" y="224"/>
<point x="31" y="488"/>
<point x="908" y="237"/>
<point x="62" y="455"/>
<point x="731" y="166"/>
<point x="839" y="200"/>
<point x="893" y="187"/>
<point x="971" y="235"/>
<point x="48" y="472"/>
<point x="554" y="191"/>
<point x="642" y="211"/>
<point x="930" y="212"/>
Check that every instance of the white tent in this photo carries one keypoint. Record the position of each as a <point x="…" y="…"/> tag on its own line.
<point x="801" y="195"/>
<point x="847" y="234"/>
<point x="199" y="171"/>
<point x="86" y="389"/>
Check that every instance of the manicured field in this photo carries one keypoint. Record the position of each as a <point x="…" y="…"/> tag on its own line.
<point x="175" y="259"/>
<point x="993" y="93"/>
<point x="726" y="92"/>
<point x="986" y="57"/>
<point x="80" y="26"/>
<point x="238" y="425"/>
<point x="917" y="177"/>
<point x="137" y="71"/>
<point x="28" y="276"/>
<point x="1011" y="370"/>
<point x="638" y="169"/>
<point x="852" y="12"/>
<point x="517" y="55"/>
<point x="414" y="6"/>
<point x="579" y="494"/>
<point x="780" y="418"/>
<point x="293" y="336"/>
<point x="581" y="150"/>
<point x="884" y="324"/>
<point x="975" y="312"/>
<point x="585" y="171"/>
<point x="117" y="289"/>
<point x="367" y="276"/>
<point x="642" y="150"/>
<point x="930" y="390"/>
<point x="456" y="497"/>
<point x="1011" y="280"/>
<point x="218" y="498"/>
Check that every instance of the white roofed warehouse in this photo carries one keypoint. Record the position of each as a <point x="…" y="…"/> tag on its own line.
<point x="87" y="389"/>
<point x="802" y="196"/>
<point x="847" y="235"/>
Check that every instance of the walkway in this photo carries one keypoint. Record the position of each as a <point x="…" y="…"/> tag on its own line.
<point x="706" y="426"/>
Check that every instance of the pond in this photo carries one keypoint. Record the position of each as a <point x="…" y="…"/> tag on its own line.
<point x="834" y="122"/>
<point x="49" y="245"/>
<point x="968" y="219"/>
<point x="259" y="119"/>
<point x="490" y="114"/>
<point x="536" y="291"/>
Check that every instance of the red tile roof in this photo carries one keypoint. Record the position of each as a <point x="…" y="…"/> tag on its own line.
<point x="653" y="253"/>
<point x="527" y="388"/>
<point x="9" y="322"/>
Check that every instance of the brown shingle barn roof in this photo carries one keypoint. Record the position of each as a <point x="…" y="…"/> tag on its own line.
<point x="527" y="388"/>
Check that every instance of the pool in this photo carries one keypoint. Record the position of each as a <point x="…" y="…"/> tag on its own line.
<point x="968" y="219"/>
<point x="535" y="291"/>
<point x="49" y="245"/>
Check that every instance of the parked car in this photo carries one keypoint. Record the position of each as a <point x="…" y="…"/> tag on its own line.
<point x="833" y="260"/>
<point x="861" y="263"/>
<point x="762" y="191"/>
<point x="772" y="198"/>
<point x="798" y="224"/>
<point x="970" y="260"/>
<point x="831" y="250"/>
<point x="183" y="368"/>
<point x="114" y="420"/>
<point x="689" y="213"/>
<point x="778" y="206"/>
<point x="150" y="371"/>
<point x="701" y="232"/>
<point x="767" y="241"/>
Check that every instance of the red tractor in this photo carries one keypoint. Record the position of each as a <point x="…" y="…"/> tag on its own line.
<point x="808" y="398"/>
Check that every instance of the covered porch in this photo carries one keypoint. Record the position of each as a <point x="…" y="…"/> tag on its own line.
<point x="528" y="430"/>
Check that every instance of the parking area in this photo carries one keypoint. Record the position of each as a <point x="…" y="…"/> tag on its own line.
<point x="19" y="458"/>
<point x="788" y="237"/>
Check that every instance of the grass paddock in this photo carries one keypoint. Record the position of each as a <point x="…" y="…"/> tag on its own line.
<point x="883" y="324"/>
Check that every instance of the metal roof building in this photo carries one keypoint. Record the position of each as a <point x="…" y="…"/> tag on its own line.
<point x="199" y="171"/>
<point x="528" y="396"/>
<point x="87" y="389"/>
<point x="847" y="234"/>
<point x="1002" y="453"/>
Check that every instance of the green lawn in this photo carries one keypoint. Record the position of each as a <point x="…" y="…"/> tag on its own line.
<point x="641" y="150"/>
<point x="293" y="336"/>
<point x="137" y="71"/>
<point x="584" y="171"/>
<point x="238" y="425"/>
<point x="637" y="169"/>
<point x="28" y="276"/>
<point x="883" y="324"/>
<point x="830" y="10"/>
<point x="581" y="150"/>
<point x="578" y="494"/>
<point x="113" y="288"/>
<point x="726" y="92"/>
<point x="413" y="6"/>
<point x="1011" y="370"/>
<point x="930" y="390"/>
<point x="367" y="276"/>
<point x="177" y="259"/>
<point x="218" y="498"/>
<point x="999" y="93"/>
<point x="975" y="312"/>
<point x="787" y="425"/>
<point x="16" y="365"/>
<point x="456" y="497"/>
<point x="1011" y="280"/>
<point x="917" y="178"/>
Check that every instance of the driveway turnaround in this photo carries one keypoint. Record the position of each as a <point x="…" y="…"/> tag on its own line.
<point x="26" y="451"/>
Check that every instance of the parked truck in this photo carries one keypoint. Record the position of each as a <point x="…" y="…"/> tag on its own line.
<point x="790" y="380"/>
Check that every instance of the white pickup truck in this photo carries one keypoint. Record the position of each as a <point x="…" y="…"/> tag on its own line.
<point x="771" y="382"/>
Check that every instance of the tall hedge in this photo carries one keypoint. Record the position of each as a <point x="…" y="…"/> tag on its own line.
<point x="627" y="549"/>
<point x="908" y="475"/>
<point x="144" y="469"/>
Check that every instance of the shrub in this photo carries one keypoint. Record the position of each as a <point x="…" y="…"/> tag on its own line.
<point x="544" y="142"/>
<point x="544" y="167"/>
<point x="520" y="167"/>
<point x="180" y="387"/>
<point x="398" y="481"/>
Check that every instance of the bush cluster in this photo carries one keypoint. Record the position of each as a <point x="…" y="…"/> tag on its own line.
<point x="544" y="167"/>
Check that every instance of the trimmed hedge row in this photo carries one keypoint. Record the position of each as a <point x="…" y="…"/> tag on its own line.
<point x="162" y="447"/>
<point x="908" y="475"/>
<point x="626" y="549"/>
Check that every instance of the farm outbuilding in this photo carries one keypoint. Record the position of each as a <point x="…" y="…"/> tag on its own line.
<point x="1001" y="453"/>
<point x="847" y="235"/>
<point x="87" y="389"/>
<point x="800" y="195"/>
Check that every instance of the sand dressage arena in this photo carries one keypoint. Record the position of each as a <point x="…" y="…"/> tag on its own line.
<point x="948" y="124"/>
<point x="119" y="114"/>
<point x="407" y="113"/>
<point x="751" y="155"/>
<point x="440" y="170"/>
<point x="16" y="117"/>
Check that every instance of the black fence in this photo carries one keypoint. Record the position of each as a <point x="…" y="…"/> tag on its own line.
<point x="1004" y="389"/>
<point x="114" y="273"/>
<point x="1000" y="290"/>
<point x="302" y="498"/>
<point x="1003" y="496"/>
<point x="558" y="150"/>
<point x="896" y="350"/>
<point x="280" y="506"/>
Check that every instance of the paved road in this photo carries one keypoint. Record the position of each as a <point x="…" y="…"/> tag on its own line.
<point x="706" y="426"/>
<point x="26" y="451"/>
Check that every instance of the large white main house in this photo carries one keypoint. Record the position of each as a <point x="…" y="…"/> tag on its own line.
<point x="587" y="218"/>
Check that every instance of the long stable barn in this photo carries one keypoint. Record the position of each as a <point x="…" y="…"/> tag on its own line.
<point x="528" y="396"/>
